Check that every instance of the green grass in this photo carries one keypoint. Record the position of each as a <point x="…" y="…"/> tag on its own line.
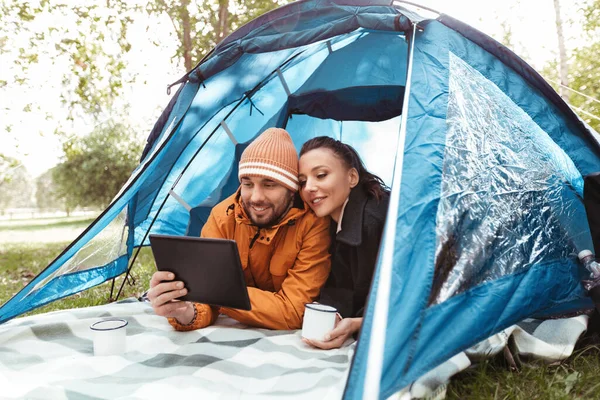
<point x="21" y="262"/>
<point x="575" y="378"/>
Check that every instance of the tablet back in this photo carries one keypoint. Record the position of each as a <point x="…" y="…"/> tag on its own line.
<point x="210" y="268"/>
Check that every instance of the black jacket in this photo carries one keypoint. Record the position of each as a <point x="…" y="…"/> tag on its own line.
<point x="354" y="253"/>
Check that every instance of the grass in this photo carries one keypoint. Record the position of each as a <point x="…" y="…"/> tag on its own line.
<point x="575" y="378"/>
<point x="20" y="262"/>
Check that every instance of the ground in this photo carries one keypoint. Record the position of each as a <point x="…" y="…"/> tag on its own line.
<point x="26" y="248"/>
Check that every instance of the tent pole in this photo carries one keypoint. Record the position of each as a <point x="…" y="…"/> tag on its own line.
<point x="112" y="288"/>
<point x="110" y="300"/>
<point x="375" y="359"/>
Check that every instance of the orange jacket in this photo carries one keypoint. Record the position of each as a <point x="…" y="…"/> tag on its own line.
<point x="285" y="266"/>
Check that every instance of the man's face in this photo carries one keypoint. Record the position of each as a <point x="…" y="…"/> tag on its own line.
<point x="264" y="200"/>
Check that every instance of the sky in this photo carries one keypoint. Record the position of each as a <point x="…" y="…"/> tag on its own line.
<point x="32" y="141"/>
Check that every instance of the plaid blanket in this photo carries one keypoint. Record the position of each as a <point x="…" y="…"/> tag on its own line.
<point x="50" y="356"/>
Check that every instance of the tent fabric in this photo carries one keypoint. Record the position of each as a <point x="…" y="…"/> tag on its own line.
<point x="485" y="165"/>
<point x="511" y="60"/>
<point x="199" y="214"/>
<point x="548" y="284"/>
<point x="365" y="89"/>
<point x="293" y="9"/>
<point x="307" y="23"/>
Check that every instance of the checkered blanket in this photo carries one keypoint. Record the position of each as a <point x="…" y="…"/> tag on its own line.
<point x="50" y="356"/>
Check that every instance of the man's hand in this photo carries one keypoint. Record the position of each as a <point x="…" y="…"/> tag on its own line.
<point x="163" y="296"/>
<point x="336" y="338"/>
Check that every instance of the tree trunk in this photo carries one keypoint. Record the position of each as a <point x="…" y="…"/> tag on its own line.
<point x="564" y="67"/>
<point x="186" y="35"/>
<point x="222" y="24"/>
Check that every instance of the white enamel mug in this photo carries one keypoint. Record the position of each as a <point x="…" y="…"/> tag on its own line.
<point x="318" y="320"/>
<point x="109" y="336"/>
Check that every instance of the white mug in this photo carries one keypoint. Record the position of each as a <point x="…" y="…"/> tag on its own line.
<point x="318" y="320"/>
<point x="109" y="337"/>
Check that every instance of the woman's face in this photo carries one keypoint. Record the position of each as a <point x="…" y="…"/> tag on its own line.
<point x="325" y="182"/>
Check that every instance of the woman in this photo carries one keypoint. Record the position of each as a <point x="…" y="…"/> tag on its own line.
<point x="333" y="181"/>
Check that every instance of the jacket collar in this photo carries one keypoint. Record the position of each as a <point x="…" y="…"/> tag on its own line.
<point x="352" y="221"/>
<point x="298" y="209"/>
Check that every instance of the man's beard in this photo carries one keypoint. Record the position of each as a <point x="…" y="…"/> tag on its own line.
<point x="278" y="214"/>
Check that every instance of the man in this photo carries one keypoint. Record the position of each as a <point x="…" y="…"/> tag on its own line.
<point x="283" y="246"/>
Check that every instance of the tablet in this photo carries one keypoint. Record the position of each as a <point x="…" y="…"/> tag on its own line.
<point x="210" y="269"/>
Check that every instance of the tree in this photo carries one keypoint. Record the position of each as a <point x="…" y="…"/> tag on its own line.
<point x="46" y="194"/>
<point x="96" y="166"/>
<point x="201" y="25"/>
<point x="584" y="69"/>
<point x="18" y="191"/>
<point x="562" y="51"/>
<point x="87" y="37"/>
<point x="584" y="77"/>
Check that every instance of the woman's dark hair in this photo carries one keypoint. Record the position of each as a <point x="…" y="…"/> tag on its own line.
<point x="370" y="183"/>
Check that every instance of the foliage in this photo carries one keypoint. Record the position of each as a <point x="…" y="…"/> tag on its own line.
<point x="586" y="67"/>
<point x="584" y="76"/>
<point x="8" y="166"/>
<point x="87" y="37"/>
<point x="96" y="166"/>
<point x="591" y="14"/>
<point x="584" y="70"/>
<point x="90" y="38"/>
<point x="201" y="25"/>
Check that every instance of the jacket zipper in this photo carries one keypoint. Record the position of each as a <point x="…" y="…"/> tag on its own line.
<point x="254" y="238"/>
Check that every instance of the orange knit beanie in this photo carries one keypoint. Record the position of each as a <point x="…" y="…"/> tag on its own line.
<point x="272" y="155"/>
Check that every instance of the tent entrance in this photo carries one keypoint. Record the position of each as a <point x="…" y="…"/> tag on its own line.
<point x="375" y="142"/>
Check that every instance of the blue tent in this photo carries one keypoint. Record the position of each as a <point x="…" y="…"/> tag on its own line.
<point x="484" y="159"/>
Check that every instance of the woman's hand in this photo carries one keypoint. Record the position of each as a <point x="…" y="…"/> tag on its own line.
<point x="336" y="338"/>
